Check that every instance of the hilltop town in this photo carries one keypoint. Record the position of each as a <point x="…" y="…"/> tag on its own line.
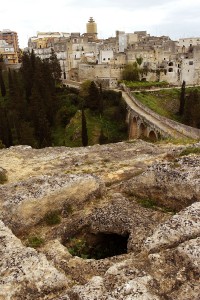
<point x="84" y="56"/>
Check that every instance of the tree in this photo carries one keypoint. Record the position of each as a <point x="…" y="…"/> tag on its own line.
<point x="93" y="97"/>
<point x="89" y="92"/>
<point x="100" y="106"/>
<point x="55" y="66"/>
<point x="3" y="88"/>
<point x="182" y="99"/>
<point x="139" y="60"/>
<point x="84" y="129"/>
<point x="191" y="114"/>
<point x="84" y="89"/>
<point x="5" y="131"/>
<point x="39" y="118"/>
<point x="131" y="72"/>
<point x="2" y="63"/>
<point x="28" y="71"/>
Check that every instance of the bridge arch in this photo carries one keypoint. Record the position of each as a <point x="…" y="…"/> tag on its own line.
<point x="133" y="128"/>
<point x="153" y="136"/>
<point x="142" y="130"/>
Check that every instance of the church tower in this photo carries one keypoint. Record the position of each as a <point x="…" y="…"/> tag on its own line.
<point x="91" y="28"/>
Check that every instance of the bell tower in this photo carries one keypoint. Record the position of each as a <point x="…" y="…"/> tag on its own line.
<point x="91" y="28"/>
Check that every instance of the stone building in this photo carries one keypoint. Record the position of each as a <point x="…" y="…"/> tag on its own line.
<point x="84" y="56"/>
<point x="10" y="37"/>
<point x="9" y="47"/>
<point x="8" y="53"/>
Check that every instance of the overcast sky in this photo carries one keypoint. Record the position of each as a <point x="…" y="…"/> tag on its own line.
<point x="176" y="18"/>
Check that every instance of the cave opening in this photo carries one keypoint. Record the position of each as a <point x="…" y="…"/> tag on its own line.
<point x="97" y="246"/>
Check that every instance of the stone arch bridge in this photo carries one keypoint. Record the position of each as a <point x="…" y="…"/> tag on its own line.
<point x="144" y="123"/>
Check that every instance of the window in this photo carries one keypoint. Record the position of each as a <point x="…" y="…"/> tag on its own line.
<point x="170" y="70"/>
<point x="190" y="63"/>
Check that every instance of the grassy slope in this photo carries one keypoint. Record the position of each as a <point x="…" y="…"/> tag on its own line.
<point x="71" y="135"/>
<point x="163" y="102"/>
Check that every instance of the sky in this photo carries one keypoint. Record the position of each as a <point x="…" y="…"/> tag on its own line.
<point x="175" y="18"/>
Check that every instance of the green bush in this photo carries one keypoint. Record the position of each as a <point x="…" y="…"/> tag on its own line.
<point x="52" y="218"/>
<point x="78" y="247"/>
<point x="35" y="241"/>
<point x="190" y="150"/>
<point x="147" y="203"/>
<point x="145" y="84"/>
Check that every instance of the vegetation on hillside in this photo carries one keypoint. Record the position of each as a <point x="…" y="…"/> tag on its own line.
<point x="180" y="105"/>
<point x="37" y="110"/>
<point x="140" y="85"/>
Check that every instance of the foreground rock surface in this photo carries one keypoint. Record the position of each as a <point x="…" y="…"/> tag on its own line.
<point x="26" y="203"/>
<point x="144" y="193"/>
<point x="25" y="274"/>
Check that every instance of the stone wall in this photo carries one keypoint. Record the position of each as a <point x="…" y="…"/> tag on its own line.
<point x="93" y="72"/>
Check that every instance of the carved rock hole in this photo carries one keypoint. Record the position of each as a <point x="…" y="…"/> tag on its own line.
<point x="97" y="246"/>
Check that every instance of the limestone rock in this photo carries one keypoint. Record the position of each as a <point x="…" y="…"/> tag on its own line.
<point x="24" y="204"/>
<point x="97" y="190"/>
<point x="181" y="227"/>
<point x="121" y="281"/>
<point x="125" y="217"/>
<point x="25" y="274"/>
<point x="190" y="252"/>
<point x="187" y="292"/>
<point x="171" y="184"/>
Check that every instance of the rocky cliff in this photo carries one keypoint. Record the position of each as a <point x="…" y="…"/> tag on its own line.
<point x="117" y="221"/>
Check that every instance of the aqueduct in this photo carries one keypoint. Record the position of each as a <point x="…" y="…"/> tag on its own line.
<point x="144" y="123"/>
<point x="140" y="128"/>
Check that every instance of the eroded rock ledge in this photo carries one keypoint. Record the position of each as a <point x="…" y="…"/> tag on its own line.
<point x="141" y="194"/>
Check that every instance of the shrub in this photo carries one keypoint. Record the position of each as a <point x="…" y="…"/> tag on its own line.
<point x="190" y="150"/>
<point x="78" y="247"/>
<point x="147" y="203"/>
<point x="52" y="218"/>
<point x="35" y="241"/>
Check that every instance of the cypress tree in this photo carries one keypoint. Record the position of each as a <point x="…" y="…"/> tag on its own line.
<point x="182" y="99"/>
<point x="27" y="71"/>
<point x="192" y="109"/>
<point x="3" y="88"/>
<point x="93" y="97"/>
<point x="55" y="66"/>
<point x="84" y="129"/>
<point x="5" y="131"/>
<point x="39" y="119"/>
<point x="100" y="99"/>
